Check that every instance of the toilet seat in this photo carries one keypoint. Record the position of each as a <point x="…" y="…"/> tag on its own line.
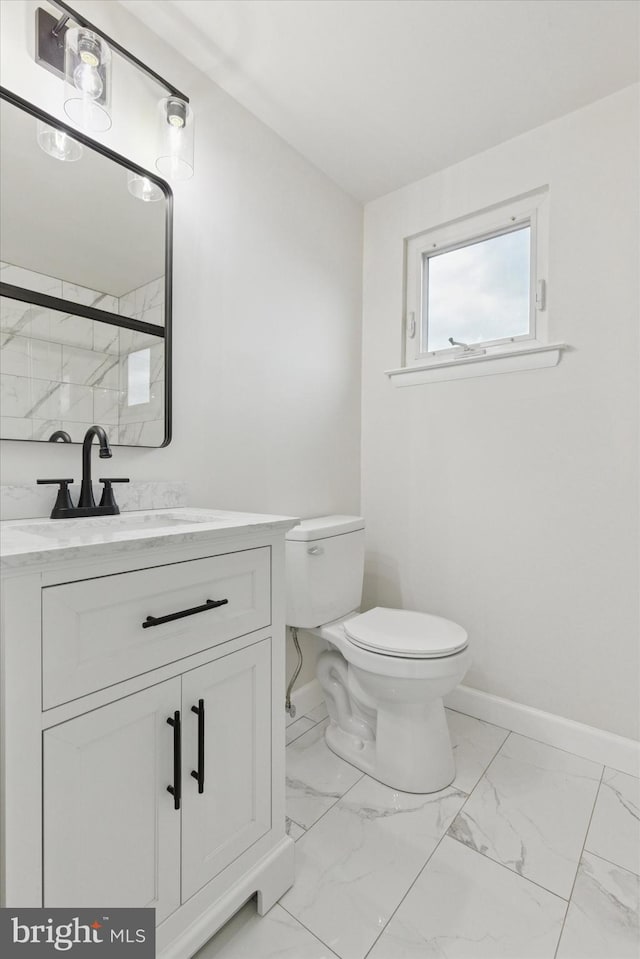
<point x="405" y="633"/>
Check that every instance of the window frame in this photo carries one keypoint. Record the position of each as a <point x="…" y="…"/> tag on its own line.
<point x="528" y="210"/>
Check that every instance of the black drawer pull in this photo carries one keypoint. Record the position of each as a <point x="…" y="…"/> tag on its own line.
<point x="176" y="789"/>
<point x="199" y="773"/>
<point x="158" y="620"/>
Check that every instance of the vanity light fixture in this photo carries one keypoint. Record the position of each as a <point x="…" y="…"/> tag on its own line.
<point x="57" y="143"/>
<point x="87" y="80"/>
<point x="175" y="139"/>
<point x="74" y="49"/>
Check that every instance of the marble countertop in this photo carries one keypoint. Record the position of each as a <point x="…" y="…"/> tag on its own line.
<point x="32" y="542"/>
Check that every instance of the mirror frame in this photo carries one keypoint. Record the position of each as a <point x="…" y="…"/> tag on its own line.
<point x="91" y="313"/>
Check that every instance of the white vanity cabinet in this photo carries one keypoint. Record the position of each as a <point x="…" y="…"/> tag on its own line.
<point x="106" y="779"/>
<point x="234" y="808"/>
<point x="143" y="751"/>
<point x="105" y="805"/>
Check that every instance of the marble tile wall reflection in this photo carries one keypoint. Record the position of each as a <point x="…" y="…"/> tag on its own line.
<point x="61" y="371"/>
<point x="146" y="303"/>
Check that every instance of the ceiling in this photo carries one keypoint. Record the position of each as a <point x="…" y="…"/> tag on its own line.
<point x="379" y="93"/>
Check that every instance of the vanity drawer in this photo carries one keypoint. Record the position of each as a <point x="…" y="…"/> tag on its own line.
<point x="93" y="634"/>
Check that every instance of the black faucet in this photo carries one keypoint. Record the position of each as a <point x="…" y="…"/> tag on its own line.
<point x="86" y="500"/>
<point x="60" y="435"/>
<point x="64" y="508"/>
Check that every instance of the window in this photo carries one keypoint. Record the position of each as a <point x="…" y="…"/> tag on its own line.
<point x="476" y="292"/>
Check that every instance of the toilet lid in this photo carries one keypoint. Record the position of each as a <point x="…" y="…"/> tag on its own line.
<point x="401" y="632"/>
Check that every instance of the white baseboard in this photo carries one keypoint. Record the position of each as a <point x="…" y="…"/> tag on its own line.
<point x="307" y="697"/>
<point x="596" y="744"/>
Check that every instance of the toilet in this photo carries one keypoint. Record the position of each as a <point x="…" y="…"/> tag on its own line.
<point x="386" y="670"/>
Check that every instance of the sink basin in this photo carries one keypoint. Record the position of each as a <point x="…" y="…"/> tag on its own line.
<point x="100" y="525"/>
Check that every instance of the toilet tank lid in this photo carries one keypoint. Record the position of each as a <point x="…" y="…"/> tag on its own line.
<point x="321" y="527"/>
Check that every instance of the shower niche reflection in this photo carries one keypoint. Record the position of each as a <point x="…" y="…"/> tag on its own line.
<point x="85" y="286"/>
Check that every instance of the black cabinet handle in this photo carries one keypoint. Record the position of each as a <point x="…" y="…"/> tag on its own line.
<point x="158" y="620"/>
<point x="176" y="789"/>
<point x="199" y="775"/>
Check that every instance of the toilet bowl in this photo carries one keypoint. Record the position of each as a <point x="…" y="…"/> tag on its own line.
<point x="386" y="712"/>
<point x="385" y="672"/>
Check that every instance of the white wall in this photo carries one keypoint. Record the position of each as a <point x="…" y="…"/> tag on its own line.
<point x="267" y="297"/>
<point x="509" y="503"/>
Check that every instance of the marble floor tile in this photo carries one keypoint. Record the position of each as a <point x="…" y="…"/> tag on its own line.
<point x="531" y="810"/>
<point x="274" y="936"/>
<point x="316" y="778"/>
<point x="298" y="727"/>
<point x="614" y="833"/>
<point x="318" y="713"/>
<point x="356" y="864"/>
<point x="602" y="920"/>
<point x="293" y="829"/>
<point x="475" y="743"/>
<point x="464" y="906"/>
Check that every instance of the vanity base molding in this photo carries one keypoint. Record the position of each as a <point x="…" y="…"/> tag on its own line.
<point x="188" y="929"/>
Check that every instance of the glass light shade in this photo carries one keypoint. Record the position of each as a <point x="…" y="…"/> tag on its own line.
<point x="175" y="139"/>
<point x="87" y="79"/>
<point x="57" y="143"/>
<point x="143" y="188"/>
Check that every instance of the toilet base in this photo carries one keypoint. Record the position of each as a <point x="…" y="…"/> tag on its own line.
<point x="428" y="769"/>
<point x="355" y="751"/>
<point x="392" y="727"/>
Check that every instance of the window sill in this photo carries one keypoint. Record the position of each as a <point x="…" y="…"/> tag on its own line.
<point x="488" y="364"/>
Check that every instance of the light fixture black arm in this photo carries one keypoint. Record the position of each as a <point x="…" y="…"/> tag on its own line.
<point x="83" y="22"/>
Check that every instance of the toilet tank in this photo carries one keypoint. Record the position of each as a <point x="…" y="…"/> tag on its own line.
<point x="325" y="565"/>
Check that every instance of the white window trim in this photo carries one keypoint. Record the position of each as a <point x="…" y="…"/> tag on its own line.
<point x="508" y="361"/>
<point x="527" y="351"/>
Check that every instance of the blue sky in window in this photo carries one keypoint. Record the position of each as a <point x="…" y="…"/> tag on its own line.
<point x="480" y="292"/>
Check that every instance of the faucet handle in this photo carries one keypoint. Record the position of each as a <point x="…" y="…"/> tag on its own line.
<point x="63" y="501"/>
<point x="108" y="498"/>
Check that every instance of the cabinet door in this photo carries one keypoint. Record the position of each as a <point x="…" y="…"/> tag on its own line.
<point x="111" y="833"/>
<point x="234" y="808"/>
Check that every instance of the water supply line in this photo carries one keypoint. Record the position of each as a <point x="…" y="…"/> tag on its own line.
<point x="287" y="703"/>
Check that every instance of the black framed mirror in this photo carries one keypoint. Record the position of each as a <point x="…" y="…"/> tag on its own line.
<point x="85" y="286"/>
